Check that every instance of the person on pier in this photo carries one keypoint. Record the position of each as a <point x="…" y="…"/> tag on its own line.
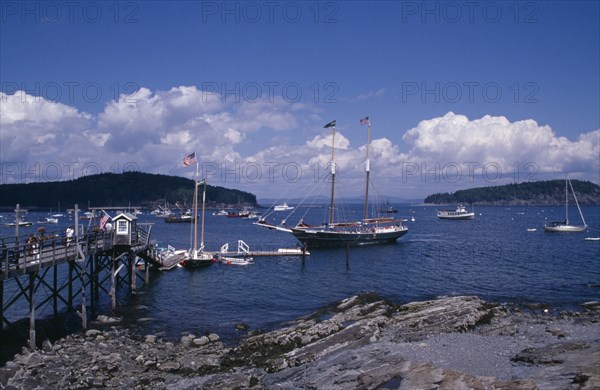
<point x="69" y="235"/>
<point x="34" y="247"/>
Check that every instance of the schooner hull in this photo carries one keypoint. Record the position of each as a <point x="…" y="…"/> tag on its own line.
<point x="327" y="239"/>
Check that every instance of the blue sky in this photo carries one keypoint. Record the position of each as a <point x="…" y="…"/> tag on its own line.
<point x="474" y="86"/>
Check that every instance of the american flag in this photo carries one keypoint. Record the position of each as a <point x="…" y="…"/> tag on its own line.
<point x="104" y="219"/>
<point x="364" y="121"/>
<point x="189" y="159"/>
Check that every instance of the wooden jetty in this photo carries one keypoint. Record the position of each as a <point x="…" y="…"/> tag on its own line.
<point x="90" y="259"/>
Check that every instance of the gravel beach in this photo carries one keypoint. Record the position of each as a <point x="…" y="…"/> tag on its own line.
<point x="362" y="342"/>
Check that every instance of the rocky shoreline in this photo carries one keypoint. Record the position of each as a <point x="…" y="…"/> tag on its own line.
<point x="362" y="342"/>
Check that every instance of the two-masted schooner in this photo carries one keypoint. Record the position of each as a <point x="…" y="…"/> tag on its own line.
<point x="196" y="257"/>
<point x="368" y="231"/>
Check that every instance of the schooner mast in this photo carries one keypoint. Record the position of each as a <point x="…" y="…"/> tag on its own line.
<point x="332" y="124"/>
<point x="366" y="120"/>
<point x="346" y="233"/>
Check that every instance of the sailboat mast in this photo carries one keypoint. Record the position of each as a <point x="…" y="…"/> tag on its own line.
<point x="368" y="168"/>
<point x="202" y="226"/>
<point x="577" y="203"/>
<point x="196" y="212"/>
<point x="566" y="199"/>
<point x="332" y="175"/>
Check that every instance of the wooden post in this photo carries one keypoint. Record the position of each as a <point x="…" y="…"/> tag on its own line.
<point x="132" y="272"/>
<point x="55" y="290"/>
<point x="303" y="252"/>
<point x="70" y="286"/>
<point x="17" y="219"/>
<point x="83" y="300"/>
<point x="82" y="271"/>
<point x="93" y="281"/>
<point x="347" y="256"/>
<point x="32" y="311"/>
<point x="113" y="289"/>
<point x="147" y="269"/>
<point x="2" y="307"/>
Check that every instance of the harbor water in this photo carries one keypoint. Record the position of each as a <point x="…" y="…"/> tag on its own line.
<point x="494" y="257"/>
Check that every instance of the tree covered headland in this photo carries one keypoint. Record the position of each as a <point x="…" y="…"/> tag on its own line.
<point x="111" y="189"/>
<point x="527" y="193"/>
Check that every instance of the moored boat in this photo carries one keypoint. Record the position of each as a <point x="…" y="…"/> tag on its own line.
<point x="460" y="213"/>
<point x="238" y="214"/>
<point x="388" y="209"/>
<point x="21" y="223"/>
<point x="182" y="218"/>
<point x="283" y="207"/>
<point x="368" y="231"/>
<point x="229" y="260"/>
<point x="565" y="226"/>
<point x="197" y="257"/>
<point x="52" y="220"/>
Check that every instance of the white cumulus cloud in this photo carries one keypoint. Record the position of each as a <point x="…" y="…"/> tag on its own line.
<point x="454" y="138"/>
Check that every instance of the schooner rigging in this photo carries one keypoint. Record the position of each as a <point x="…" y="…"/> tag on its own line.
<point x="367" y="231"/>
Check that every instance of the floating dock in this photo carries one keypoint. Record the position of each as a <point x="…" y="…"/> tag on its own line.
<point x="273" y="253"/>
<point x="244" y="250"/>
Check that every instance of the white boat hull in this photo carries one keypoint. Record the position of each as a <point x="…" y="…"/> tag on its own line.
<point x="565" y="228"/>
<point x="457" y="216"/>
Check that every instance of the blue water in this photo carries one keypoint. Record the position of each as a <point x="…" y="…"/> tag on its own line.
<point x="493" y="257"/>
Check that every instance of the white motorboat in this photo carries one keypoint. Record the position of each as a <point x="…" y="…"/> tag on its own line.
<point x="48" y="220"/>
<point x="460" y="213"/>
<point x="235" y="260"/>
<point x="283" y="207"/>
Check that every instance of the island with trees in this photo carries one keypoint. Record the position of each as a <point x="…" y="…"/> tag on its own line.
<point x="117" y="189"/>
<point x="550" y="192"/>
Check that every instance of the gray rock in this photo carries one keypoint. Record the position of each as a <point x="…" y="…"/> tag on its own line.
<point x="212" y="337"/>
<point x="549" y="354"/>
<point x="201" y="341"/>
<point x="92" y="333"/>
<point x="107" y="320"/>
<point x="168" y="366"/>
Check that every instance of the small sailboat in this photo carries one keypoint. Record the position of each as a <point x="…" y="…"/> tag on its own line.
<point x="565" y="226"/>
<point x="196" y="257"/>
<point x="58" y="213"/>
